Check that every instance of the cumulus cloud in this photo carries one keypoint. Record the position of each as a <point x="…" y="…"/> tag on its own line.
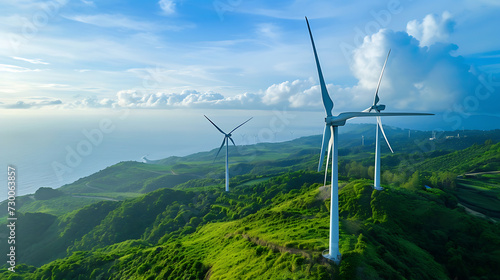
<point x="296" y="94"/>
<point x="431" y="29"/>
<point x="187" y="98"/>
<point x="278" y="93"/>
<point x="416" y="77"/>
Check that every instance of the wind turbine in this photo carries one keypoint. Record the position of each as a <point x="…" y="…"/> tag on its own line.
<point x="227" y="137"/>
<point x="377" y="108"/>
<point x="145" y="160"/>
<point x="330" y="138"/>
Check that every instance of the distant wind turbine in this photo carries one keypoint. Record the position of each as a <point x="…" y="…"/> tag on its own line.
<point x="227" y="137"/>
<point x="330" y="138"/>
<point x="144" y="159"/>
<point x="377" y="108"/>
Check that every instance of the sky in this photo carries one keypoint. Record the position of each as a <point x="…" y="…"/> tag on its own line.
<point x="247" y="55"/>
<point x="143" y="73"/>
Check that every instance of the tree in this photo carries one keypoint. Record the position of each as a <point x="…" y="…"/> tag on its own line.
<point x="414" y="182"/>
<point x="45" y="193"/>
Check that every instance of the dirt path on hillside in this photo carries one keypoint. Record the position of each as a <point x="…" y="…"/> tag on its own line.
<point x="95" y="188"/>
<point x="305" y="253"/>
<point x="97" y="197"/>
<point x="476" y="214"/>
<point x="480" y="173"/>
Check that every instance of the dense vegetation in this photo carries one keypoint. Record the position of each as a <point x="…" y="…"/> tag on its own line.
<point x="283" y="238"/>
<point x="274" y="222"/>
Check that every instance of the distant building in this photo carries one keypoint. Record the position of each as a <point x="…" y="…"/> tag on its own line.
<point x="433" y="136"/>
<point x="451" y="137"/>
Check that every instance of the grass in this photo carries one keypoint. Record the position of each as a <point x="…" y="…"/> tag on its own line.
<point x="254" y="182"/>
<point x="59" y="205"/>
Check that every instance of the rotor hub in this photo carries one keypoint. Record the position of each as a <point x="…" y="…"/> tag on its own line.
<point x="334" y="121"/>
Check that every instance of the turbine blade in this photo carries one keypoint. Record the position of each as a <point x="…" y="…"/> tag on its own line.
<point x="376" y="100"/>
<point x="239" y="126"/>
<point x="327" y="101"/>
<point x="232" y="140"/>
<point x="223" y="141"/>
<point x="379" y="123"/>
<point x="330" y="144"/>
<point x="326" y="139"/>
<point x="215" y="125"/>
<point x="342" y="117"/>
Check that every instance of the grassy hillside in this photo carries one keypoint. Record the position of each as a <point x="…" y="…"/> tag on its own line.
<point x="284" y="239"/>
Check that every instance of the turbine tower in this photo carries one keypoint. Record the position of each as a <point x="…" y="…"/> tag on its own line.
<point x="227" y="137"/>
<point x="330" y="138"/>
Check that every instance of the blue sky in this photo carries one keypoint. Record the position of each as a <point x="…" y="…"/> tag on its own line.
<point x="249" y="55"/>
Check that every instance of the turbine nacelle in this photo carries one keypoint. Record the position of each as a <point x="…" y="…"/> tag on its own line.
<point x="376" y="108"/>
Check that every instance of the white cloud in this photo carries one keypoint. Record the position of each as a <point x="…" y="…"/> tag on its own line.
<point x="278" y="93"/>
<point x="33" y="102"/>
<point x="113" y="21"/>
<point x="88" y="3"/>
<point x="297" y="94"/>
<point x="16" y="69"/>
<point x="268" y="31"/>
<point x="32" y="61"/>
<point x="167" y="6"/>
<point x="187" y="98"/>
<point x="416" y="77"/>
<point x="55" y="86"/>
<point x="431" y="29"/>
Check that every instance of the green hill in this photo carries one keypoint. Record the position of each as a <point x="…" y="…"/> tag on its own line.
<point x="284" y="238"/>
<point x="172" y="219"/>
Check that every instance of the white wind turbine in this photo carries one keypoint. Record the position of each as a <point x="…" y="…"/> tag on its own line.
<point x="330" y="138"/>
<point x="377" y="108"/>
<point x="227" y="137"/>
